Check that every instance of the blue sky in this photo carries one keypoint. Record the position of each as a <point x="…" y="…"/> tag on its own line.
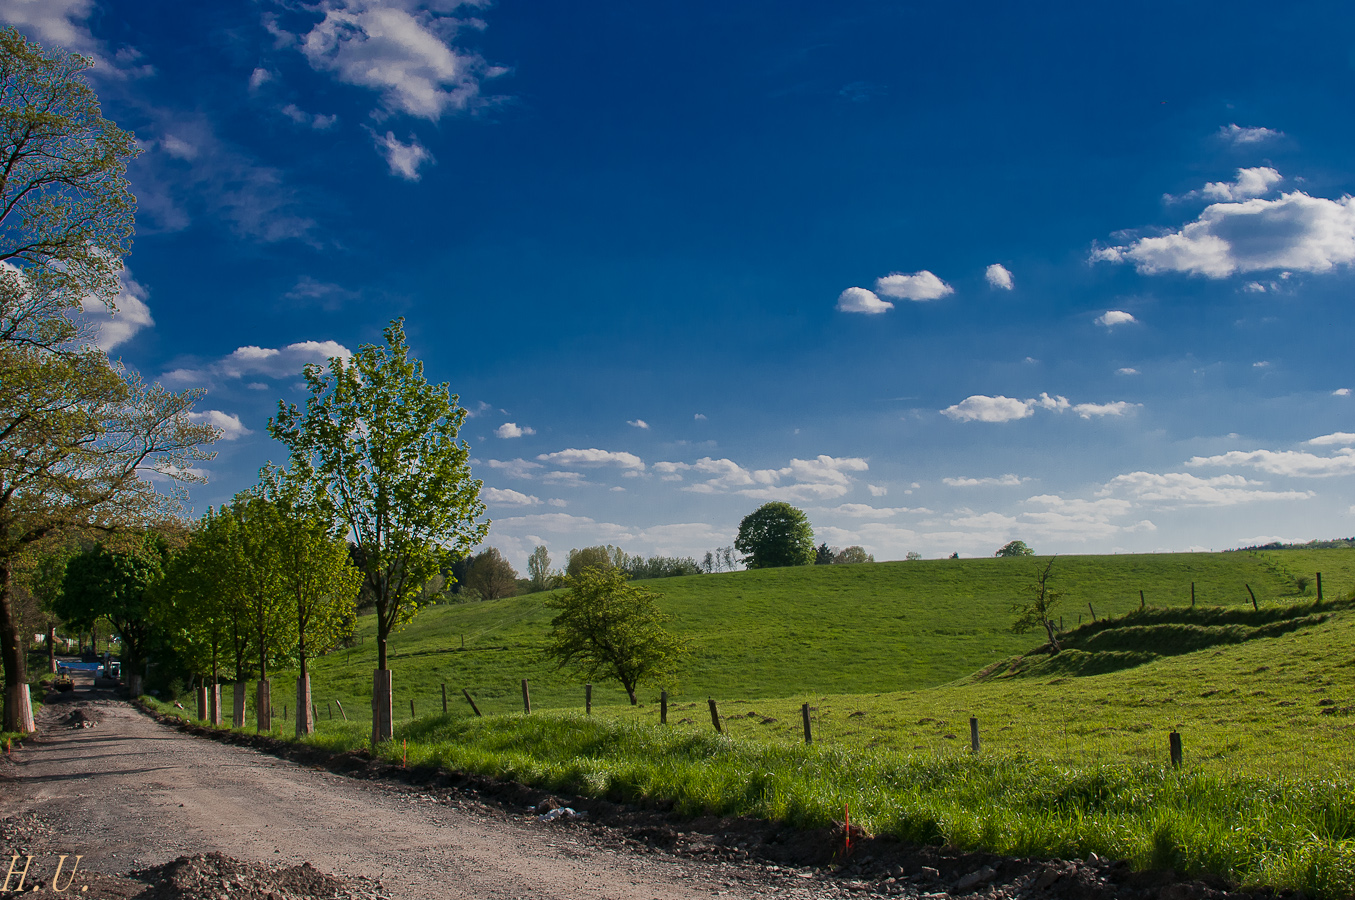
<point x="941" y="276"/>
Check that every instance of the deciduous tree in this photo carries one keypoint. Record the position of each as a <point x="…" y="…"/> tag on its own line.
<point x="491" y="576"/>
<point x="775" y="534"/>
<point x="609" y="628"/>
<point x="376" y="446"/>
<point x="1038" y="606"/>
<point x="1015" y="548"/>
<point x="538" y="569"/>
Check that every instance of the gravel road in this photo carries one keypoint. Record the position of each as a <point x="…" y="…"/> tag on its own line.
<point x="130" y="793"/>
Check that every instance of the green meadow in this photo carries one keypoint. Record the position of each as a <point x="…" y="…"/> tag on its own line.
<point x="893" y="660"/>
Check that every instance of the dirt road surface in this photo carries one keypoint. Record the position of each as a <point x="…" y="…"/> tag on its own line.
<point x="129" y="793"/>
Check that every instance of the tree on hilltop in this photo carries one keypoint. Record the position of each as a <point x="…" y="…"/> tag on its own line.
<point x="1015" y="548"/>
<point x="775" y="534"/>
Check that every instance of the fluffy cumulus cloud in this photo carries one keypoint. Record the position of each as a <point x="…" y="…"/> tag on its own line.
<point x="638" y="423"/>
<point x="402" y="49"/>
<point x="1112" y="317"/>
<point x="1336" y="437"/>
<point x="594" y="457"/>
<point x="1185" y="489"/>
<point x="860" y="300"/>
<point x="999" y="277"/>
<point x="228" y="424"/>
<point x="917" y="286"/>
<point x="1236" y="134"/>
<point x="821" y="478"/>
<point x="999" y="481"/>
<point x="503" y="497"/>
<point x="1294" y="232"/>
<point x="404" y="160"/>
<point x="981" y="408"/>
<point x="131" y="313"/>
<point x="264" y="362"/>
<point x="512" y="430"/>
<point x="1249" y="183"/>
<point x="1294" y="463"/>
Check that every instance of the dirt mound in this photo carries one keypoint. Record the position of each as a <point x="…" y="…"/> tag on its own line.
<point x="216" y="875"/>
<point x="81" y="718"/>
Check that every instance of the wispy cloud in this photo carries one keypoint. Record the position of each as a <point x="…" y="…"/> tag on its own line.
<point x="228" y="424"/>
<point x="593" y="457"/>
<point x="512" y="430"/>
<point x="267" y="362"/>
<point x="404" y="160"/>
<point x="1237" y="135"/>
<point x="131" y="316"/>
<point x="1294" y="463"/>
<point x="998" y="481"/>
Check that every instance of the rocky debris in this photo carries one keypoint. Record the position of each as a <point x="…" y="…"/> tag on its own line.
<point x="219" y="877"/>
<point x="81" y="718"/>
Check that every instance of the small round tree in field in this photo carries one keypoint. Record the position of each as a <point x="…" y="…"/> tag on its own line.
<point x="1015" y="548"/>
<point x="775" y="534"/>
<point x="609" y="628"/>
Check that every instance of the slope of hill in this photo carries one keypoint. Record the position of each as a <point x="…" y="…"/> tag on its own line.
<point x="822" y="629"/>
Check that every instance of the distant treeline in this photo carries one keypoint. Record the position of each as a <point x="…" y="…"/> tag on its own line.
<point x="1333" y="544"/>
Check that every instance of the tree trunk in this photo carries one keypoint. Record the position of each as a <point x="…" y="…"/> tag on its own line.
<point x="1053" y="637"/>
<point x="51" y="647"/>
<point x="383" y="701"/>
<point x="305" y="721"/>
<point x="630" y="692"/>
<point x="18" y="709"/>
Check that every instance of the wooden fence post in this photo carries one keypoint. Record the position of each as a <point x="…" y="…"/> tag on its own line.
<point x="411" y="708"/>
<point x="341" y="712"/>
<point x="663" y="707"/>
<point x="475" y="708"/>
<point x="1142" y="602"/>
<point x="715" y="716"/>
<point x="588" y="699"/>
<point x="1254" y="606"/>
<point x="284" y="712"/>
<point x="1174" y="741"/>
<point x="444" y="698"/>
<point x="1319" y="587"/>
<point x="315" y="712"/>
<point x="804" y="714"/>
<point x="526" y="699"/>
<point x="1093" y="611"/>
<point x="1192" y="595"/>
<point x="974" y="734"/>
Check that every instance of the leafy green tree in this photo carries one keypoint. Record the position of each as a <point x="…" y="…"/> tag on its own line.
<point x="376" y="447"/>
<point x="538" y="569"/>
<point x="1037" y="609"/>
<point x="775" y="534"/>
<point x="117" y="586"/>
<point x="491" y="576"/>
<point x="913" y="555"/>
<point x="592" y="558"/>
<point x="76" y="432"/>
<point x="46" y="578"/>
<point x="609" y="628"/>
<point x="851" y="555"/>
<point x="1015" y="548"/>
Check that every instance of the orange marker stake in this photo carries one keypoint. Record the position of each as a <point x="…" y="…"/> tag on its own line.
<point x="847" y="827"/>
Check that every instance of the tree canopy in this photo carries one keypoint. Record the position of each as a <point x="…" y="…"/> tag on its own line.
<point x="609" y="628"/>
<point x="775" y="534"/>
<point x="1015" y="548"/>
<point x="376" y="449"/>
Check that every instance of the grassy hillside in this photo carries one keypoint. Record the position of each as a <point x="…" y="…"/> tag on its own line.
<point x="821" y="630"/>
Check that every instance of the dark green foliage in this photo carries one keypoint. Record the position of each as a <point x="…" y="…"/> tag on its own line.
<point x="102" y="583"/>
<point x="1015" y="548"/>
<point x="823" y="555"/>
<point x="774" y="535"/>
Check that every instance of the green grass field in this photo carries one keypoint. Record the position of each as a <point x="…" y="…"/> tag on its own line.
<point x="894" y="659"/>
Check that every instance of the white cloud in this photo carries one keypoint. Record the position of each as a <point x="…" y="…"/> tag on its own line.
<point x="1254" y="287"/>
<point x="229" y="425"/>
<point x="1249" y="183"/>
<point x="565" y="479"/>
<point x="267" y="362"/>
<point x="132" y="315"/>
<point x="258" y="78"/>
<point x="638" y="423"/>
<point x="514" y="468"/>
<point x="1336" y="437"/>
<point x="1000" y="481"/>
<point x="503" y="497"/>
<point x="1190" y="490"/>
<point x="860" y="300"/>
<point x="821" y="478"/>
<point x="512" y="430"/>
<point x="53" y="22"/>
<point x="999" y="277"/>
<point x="1285" y="462"/>
<point x="1341" y="392"/>
<point x="877" y="490"/>
<point x="1056" y="403"/>
<point x="917" y="286"/>
<point x="699" y="417"/>
<point x="593" y="457"/>
<point x="400" y="49"/>
<point x="1261" y="364"/>
<point x="178" y="148"/>
<point x="1237" y="135"/>
<point x="1127" y="370"/>
<point x="404" y="160"/>
<point x="1097" y="410"/>
<point x="980" y="408"/>
<point x="866" y="511"/>
<point x="1112" y="317"/>
<point x="1295" y="231"/>
<point x="312" y="120"/>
